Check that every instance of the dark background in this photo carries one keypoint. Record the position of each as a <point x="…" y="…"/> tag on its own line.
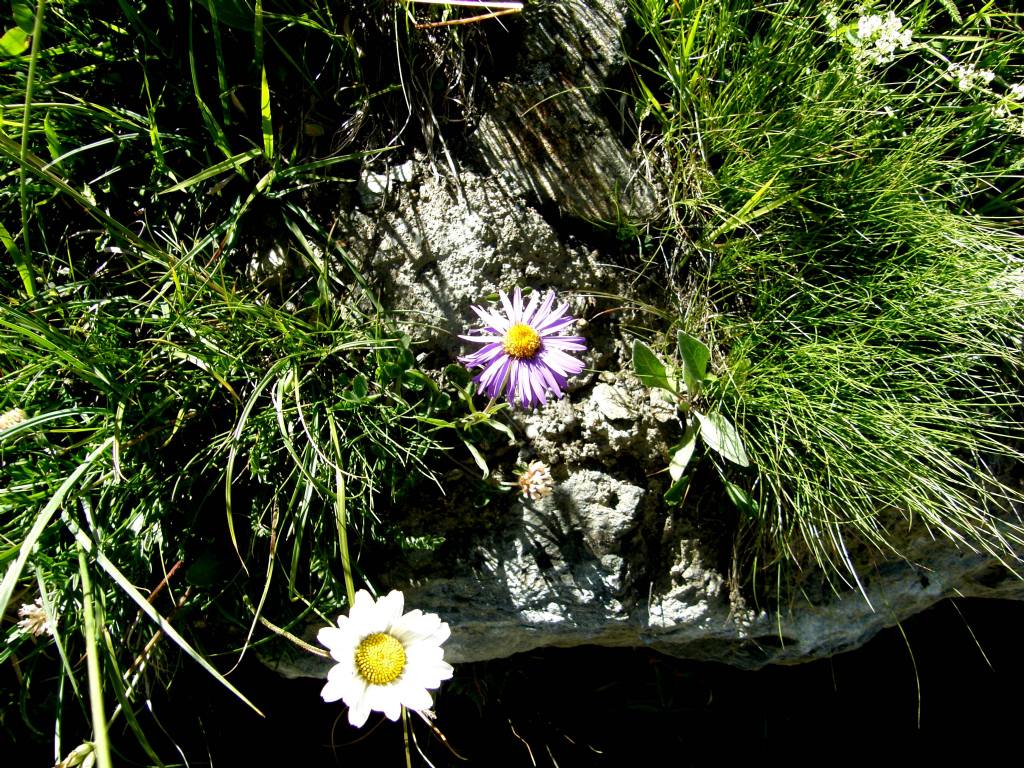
<point x="599" y="706"/>
<point x="953" y="675"/>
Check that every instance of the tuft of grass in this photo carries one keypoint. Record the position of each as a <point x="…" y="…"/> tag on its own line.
<point x="857" y="254"/>
<point x="217" y="406"/>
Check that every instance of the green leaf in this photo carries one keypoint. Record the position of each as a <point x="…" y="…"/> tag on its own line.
<point x="234" y="13"/>
<point x="674" y="495"/>
<point x="741" y="499"/>
<point x="24" y="15"/>
<point x="14" y="42"/>
<point x="457" y="375"/>
<point x="649" y="369"/>
<point x="722" y="437"/>
<point x="232" y="163"/>
<point x="682" y="453"/>
<point x="695" y="356"/>
<point x="266" y="123"/>
<point x="162" y="624"/>
<point x="478" y="458"/>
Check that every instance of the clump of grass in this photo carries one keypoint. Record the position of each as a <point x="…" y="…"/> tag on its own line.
<point x="195" y="442"/>
<point x="859" y="259"/>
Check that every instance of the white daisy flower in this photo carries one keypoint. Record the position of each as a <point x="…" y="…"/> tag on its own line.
<point x="386" y="659"/>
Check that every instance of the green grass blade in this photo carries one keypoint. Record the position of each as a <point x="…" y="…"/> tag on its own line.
<point x="25" y="266"/>
<point x="101" y="741"/>
<point x="129" y="589"/>
<point x="42" y="520"/>
<point x="236" y="436"/>
<point x="232" y="163"/>
<point x="340" y="511"/>
<point x="117" y="229"/>
<point x="220" y="139"/>
<point x="266" y="124"/>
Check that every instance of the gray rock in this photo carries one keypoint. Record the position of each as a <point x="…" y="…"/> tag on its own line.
<point x="448" y="244"/>
<point x="601" y="560"/>
<point x="546" y="136"/>
<point x="532" y="590"/>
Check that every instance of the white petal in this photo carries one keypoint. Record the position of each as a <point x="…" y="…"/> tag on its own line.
<point x="429" y="674"/>
<point x="414" y="696"/>
<point x="391" y="606"/>
<point x="383" y="698"/>
<point x="441" y="634"/>
<point x="358" y="714"/>
<point x="334" y="689"/>
<point x="362" y="608"/>
<point x="353" y="690"/>
<point x="340" y="642"/>
<point x="416" y="625"/>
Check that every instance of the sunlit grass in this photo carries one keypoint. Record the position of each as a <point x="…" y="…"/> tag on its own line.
<point x="859" y="261"/>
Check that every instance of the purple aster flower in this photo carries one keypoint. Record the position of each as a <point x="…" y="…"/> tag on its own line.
<point x="524" y="349"/>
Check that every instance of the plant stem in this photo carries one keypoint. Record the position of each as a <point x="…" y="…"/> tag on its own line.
<point x="25" y="265"/>
<point x="92" y="659"/>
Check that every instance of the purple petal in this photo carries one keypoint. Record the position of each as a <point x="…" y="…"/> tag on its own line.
<point x="553" y="318"/>
<point x="493" y="320"/>
<point x="558" y="325"/>
<point x="482" y="357"/>
<point x="517" y="302"/>
<point x="528" y="312"/>
<point x="493" y="376"/>
<point x="536" y="377"/>
<point x="482" y="339"/>
<point x="510" y="311"/>
<point x="550" y="381"/>
<point x="542" y="313"/>
<point x="574" y="343"/>
<point x="561" y="363"/>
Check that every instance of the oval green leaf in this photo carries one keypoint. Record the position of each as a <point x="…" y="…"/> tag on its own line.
<point x="649" y="369"/>
<point x="14" y="42"/>
<point x="682" y="453"/>
<point x="695" y="356"/>
<point x="741" y="499"/>
<point x="674" y="495"/>
<point x="722" y="437"/>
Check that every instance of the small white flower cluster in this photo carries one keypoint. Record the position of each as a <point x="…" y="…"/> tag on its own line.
<point x="1008" y="111"/>
<point x="12" y="418"/>
<point x="878" y="38"/>
<point x="1006" y="108"/>
<point x="34" y="620"/>
<point x="535" y="481"/>
<point x="968" y="77"/>
<point x="832" y="19"/>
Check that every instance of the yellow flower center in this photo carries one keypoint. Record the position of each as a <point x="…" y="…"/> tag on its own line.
<point x="380" y="658"/>
<point x="521" y="341"/>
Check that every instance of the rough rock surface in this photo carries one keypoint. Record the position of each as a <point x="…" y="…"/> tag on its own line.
<point x="601" y="560"/>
